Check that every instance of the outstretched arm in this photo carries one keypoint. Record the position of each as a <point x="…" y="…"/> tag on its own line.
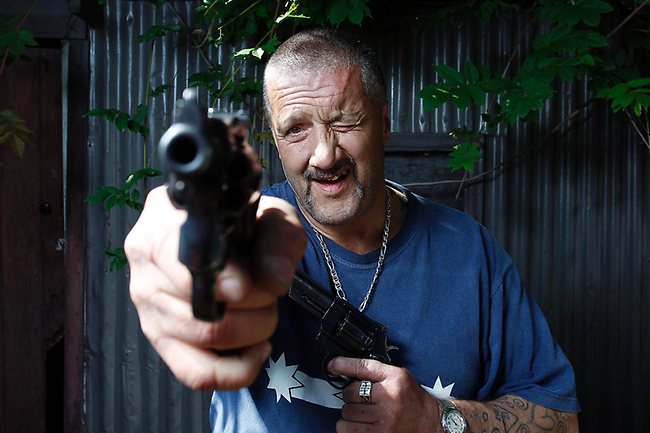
<point x="200" y="353"/>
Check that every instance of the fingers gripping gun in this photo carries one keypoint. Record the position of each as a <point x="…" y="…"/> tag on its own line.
<point x="217" y="182"/>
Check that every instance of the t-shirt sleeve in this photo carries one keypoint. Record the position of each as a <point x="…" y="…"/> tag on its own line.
<point x="522" y="357"/>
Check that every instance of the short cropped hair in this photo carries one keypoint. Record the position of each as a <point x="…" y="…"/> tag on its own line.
<point x="321" y="49"/>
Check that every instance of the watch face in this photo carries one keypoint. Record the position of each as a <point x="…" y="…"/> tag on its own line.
<point x="454" y="422"/>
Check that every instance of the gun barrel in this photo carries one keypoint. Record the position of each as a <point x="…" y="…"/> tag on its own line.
<point x="185" y="150"/>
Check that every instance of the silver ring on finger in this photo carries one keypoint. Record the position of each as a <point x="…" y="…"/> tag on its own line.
<point x="364" y="391"/>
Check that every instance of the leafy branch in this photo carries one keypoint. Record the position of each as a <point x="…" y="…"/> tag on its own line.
<point x="14" y="132"/>
<point x="573" y="47"/>
<point x="126" y="196"/>
<point x="633" y="95"/>
<point x="13" y="39"/>
<point x="124" y="121"/>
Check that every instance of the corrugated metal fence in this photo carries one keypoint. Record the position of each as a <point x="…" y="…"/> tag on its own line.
<point x="573" y="212"/>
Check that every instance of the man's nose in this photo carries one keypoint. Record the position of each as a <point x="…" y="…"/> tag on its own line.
<point x="324" y="154"/>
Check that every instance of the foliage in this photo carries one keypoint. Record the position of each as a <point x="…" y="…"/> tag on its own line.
<point x="14" y="40"/>
<point x="157" y="31"/>
<point x="454" y="13"/>
<point x="123" y="121"/>
<point x="13" y="43"/>
<point x="127" y="195"/>
<point x="117" y="259"/>
<point x="573" y="45"/>
<point x="13" y="132"/>
<point x="634" y="93"/>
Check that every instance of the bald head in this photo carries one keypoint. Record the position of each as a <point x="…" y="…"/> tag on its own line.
<point x="323" y="50"/>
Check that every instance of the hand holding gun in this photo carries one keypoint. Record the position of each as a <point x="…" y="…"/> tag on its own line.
<point x="217" y="182"/>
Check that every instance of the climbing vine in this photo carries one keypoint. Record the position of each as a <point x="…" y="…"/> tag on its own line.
<point x="603" y="43"/>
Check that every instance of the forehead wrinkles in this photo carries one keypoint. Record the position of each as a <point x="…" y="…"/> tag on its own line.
<point x="340" y="90"/>
<point x="289" y="94"/>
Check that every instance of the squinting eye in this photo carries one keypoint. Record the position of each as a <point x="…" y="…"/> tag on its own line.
<point x="293" y="131"/>
<point x="344" y="127"/>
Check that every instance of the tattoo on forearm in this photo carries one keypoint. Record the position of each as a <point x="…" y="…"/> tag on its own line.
<point x="511" y="414"/>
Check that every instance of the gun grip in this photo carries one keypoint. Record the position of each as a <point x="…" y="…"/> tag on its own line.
<point x="204" y="305"/>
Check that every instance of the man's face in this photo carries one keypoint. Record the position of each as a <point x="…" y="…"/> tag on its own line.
<point x="330" y="137"/>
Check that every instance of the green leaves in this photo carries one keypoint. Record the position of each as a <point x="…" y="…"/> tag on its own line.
<point x="122" y="120"/>
<point x="461" y="89"/>
<point x="488" y="8"/>
<point x="237" y="90"/>
<point x="160" y="89"/>
<point x="229" y="21"/>
<point x="241" y="89"/>
<point x="633" y="94"/>
<point x="466" y="154"/>
<point x="113" y="196"/>
<point x="567" y="40"/>
<point x="127" y="195"/>
<point x="568" y="50"/>
<point x="14" y="41"/>
<point x="527" y="96"/>
<point x="258" y="52"/>
<point x="453" y="13"/>
<point x="291" y="13"/>
<point x="353" y="10"/>
<point x="156" y="31"/>
<point x="247" y="52"/>
<point x="571" y="13"/>
<point x="138" y="175"/>
<point x="117" y="257"/>
<point x="14" y="132"/>
<point x="206" y="79"/>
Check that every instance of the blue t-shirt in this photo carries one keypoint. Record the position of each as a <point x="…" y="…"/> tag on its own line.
<point x="454" y="306"/>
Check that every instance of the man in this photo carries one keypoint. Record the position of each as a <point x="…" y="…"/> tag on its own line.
<point x="474" y="352"/>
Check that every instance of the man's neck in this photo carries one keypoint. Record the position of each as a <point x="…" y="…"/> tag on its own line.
<point x="365" y="234"/>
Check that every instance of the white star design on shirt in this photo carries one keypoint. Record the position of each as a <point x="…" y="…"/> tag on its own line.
<point x="439" y="391"/>
<point x="281" y="378"/>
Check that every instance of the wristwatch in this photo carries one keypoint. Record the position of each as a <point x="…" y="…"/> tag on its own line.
<point x="452" y="420"/>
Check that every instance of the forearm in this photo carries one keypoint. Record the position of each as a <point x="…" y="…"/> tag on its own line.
<point x="515" y="414"/>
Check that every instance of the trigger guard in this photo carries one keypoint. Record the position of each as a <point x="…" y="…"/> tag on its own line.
<point x="338" y="382"/>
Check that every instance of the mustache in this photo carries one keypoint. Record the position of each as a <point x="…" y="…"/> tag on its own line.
<point x="312" y="173"/>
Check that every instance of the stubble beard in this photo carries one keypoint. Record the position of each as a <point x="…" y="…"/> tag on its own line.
<point x="336" y="213"/>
